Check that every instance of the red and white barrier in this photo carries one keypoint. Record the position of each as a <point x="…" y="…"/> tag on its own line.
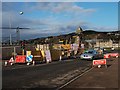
<point x="99" y="62"/>
<point x="108" y="55"/>
<point x="20" y="59"/>
<point x="114" y="55"/>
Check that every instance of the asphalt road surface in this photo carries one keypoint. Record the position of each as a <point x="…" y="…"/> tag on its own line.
<point x="50" y="75"/>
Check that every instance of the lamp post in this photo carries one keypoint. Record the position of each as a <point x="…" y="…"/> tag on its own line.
<point x="17" y="30"/>
<point x="18" y="36"/>
<point x="10" y="28"/>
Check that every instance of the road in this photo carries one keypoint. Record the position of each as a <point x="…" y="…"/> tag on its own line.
<point x="50" y="75"/>
<point x="97" y="78"/>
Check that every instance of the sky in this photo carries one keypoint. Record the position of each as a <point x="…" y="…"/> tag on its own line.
<point x="55" y="18"/>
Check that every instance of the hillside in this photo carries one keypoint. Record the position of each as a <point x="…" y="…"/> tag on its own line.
<point x="86" y="35"/>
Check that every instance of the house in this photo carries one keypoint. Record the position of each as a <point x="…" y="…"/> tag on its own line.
<point x="107" y="43"/>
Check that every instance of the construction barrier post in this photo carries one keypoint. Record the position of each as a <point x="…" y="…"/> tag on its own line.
<point x="33" y="63"/>
<point x="6" y="63"/>
<point x="28" y="63"/>
<point x="60" y="58"/>
<point x="11" y="63"/>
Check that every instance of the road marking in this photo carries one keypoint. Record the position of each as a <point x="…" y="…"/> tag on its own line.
<point x="74" y="79"/>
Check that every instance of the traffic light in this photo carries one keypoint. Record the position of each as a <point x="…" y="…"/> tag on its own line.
<point x="23" y="45"/>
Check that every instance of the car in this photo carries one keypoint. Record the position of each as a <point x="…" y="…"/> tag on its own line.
<point x="90" y="55"/>
<point x="100" y="49"/>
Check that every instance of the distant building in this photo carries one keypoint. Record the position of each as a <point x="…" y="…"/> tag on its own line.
<point x="107" y="43"/>
<point x="79" y="30"/>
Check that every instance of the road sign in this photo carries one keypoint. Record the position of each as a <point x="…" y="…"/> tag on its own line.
<point x="29" y="58"/>
<point x="11" y="61"/>
<point x="99" y="62"/>
<point x="48" y="56"/>
<point x="20" y="59"/>
<point x="28" y="53"/>
<point x="23" y="45"/>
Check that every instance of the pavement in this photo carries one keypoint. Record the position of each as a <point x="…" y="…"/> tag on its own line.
<point x="98" y="78"/>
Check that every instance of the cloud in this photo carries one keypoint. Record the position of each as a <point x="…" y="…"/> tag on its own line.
<point x="65" y="18"/>
<point x="105" y="28"/>
<point x="58" y="7"/>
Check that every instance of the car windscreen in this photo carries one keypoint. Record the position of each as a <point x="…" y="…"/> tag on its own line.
<point x="89" y="52"/>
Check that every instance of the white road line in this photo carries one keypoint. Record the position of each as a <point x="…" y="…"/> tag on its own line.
<point x="74" y="79"/>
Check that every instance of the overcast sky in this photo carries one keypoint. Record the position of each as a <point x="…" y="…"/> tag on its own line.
<point x="54" y="18"/>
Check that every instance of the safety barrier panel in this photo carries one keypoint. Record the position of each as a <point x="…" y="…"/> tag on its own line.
<point x="108" y="55"/>
<point x="20" y="59"/>
<point x="100" y="62"/>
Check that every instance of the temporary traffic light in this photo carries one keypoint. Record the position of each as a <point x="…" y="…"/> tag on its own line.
<point x="23" y="45"/>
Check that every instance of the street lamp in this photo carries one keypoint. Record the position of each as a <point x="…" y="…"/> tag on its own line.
<point x="18" y="31"/>
<point x="21" y="12"/>
<point x="23" y="43"/>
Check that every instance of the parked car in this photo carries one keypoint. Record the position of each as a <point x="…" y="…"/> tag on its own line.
<point x="90" y="55"/>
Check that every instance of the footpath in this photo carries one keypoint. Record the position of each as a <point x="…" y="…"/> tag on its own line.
<point x="98" y="78"/>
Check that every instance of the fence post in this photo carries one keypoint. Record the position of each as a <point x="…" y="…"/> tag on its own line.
<point x="14" y="52"/>
<point x="6" y="63"/>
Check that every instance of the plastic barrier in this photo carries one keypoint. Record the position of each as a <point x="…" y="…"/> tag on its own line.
<point x="99" y="62"/>
<point x="106" y="56"/>
<point x="114" y="55"/>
